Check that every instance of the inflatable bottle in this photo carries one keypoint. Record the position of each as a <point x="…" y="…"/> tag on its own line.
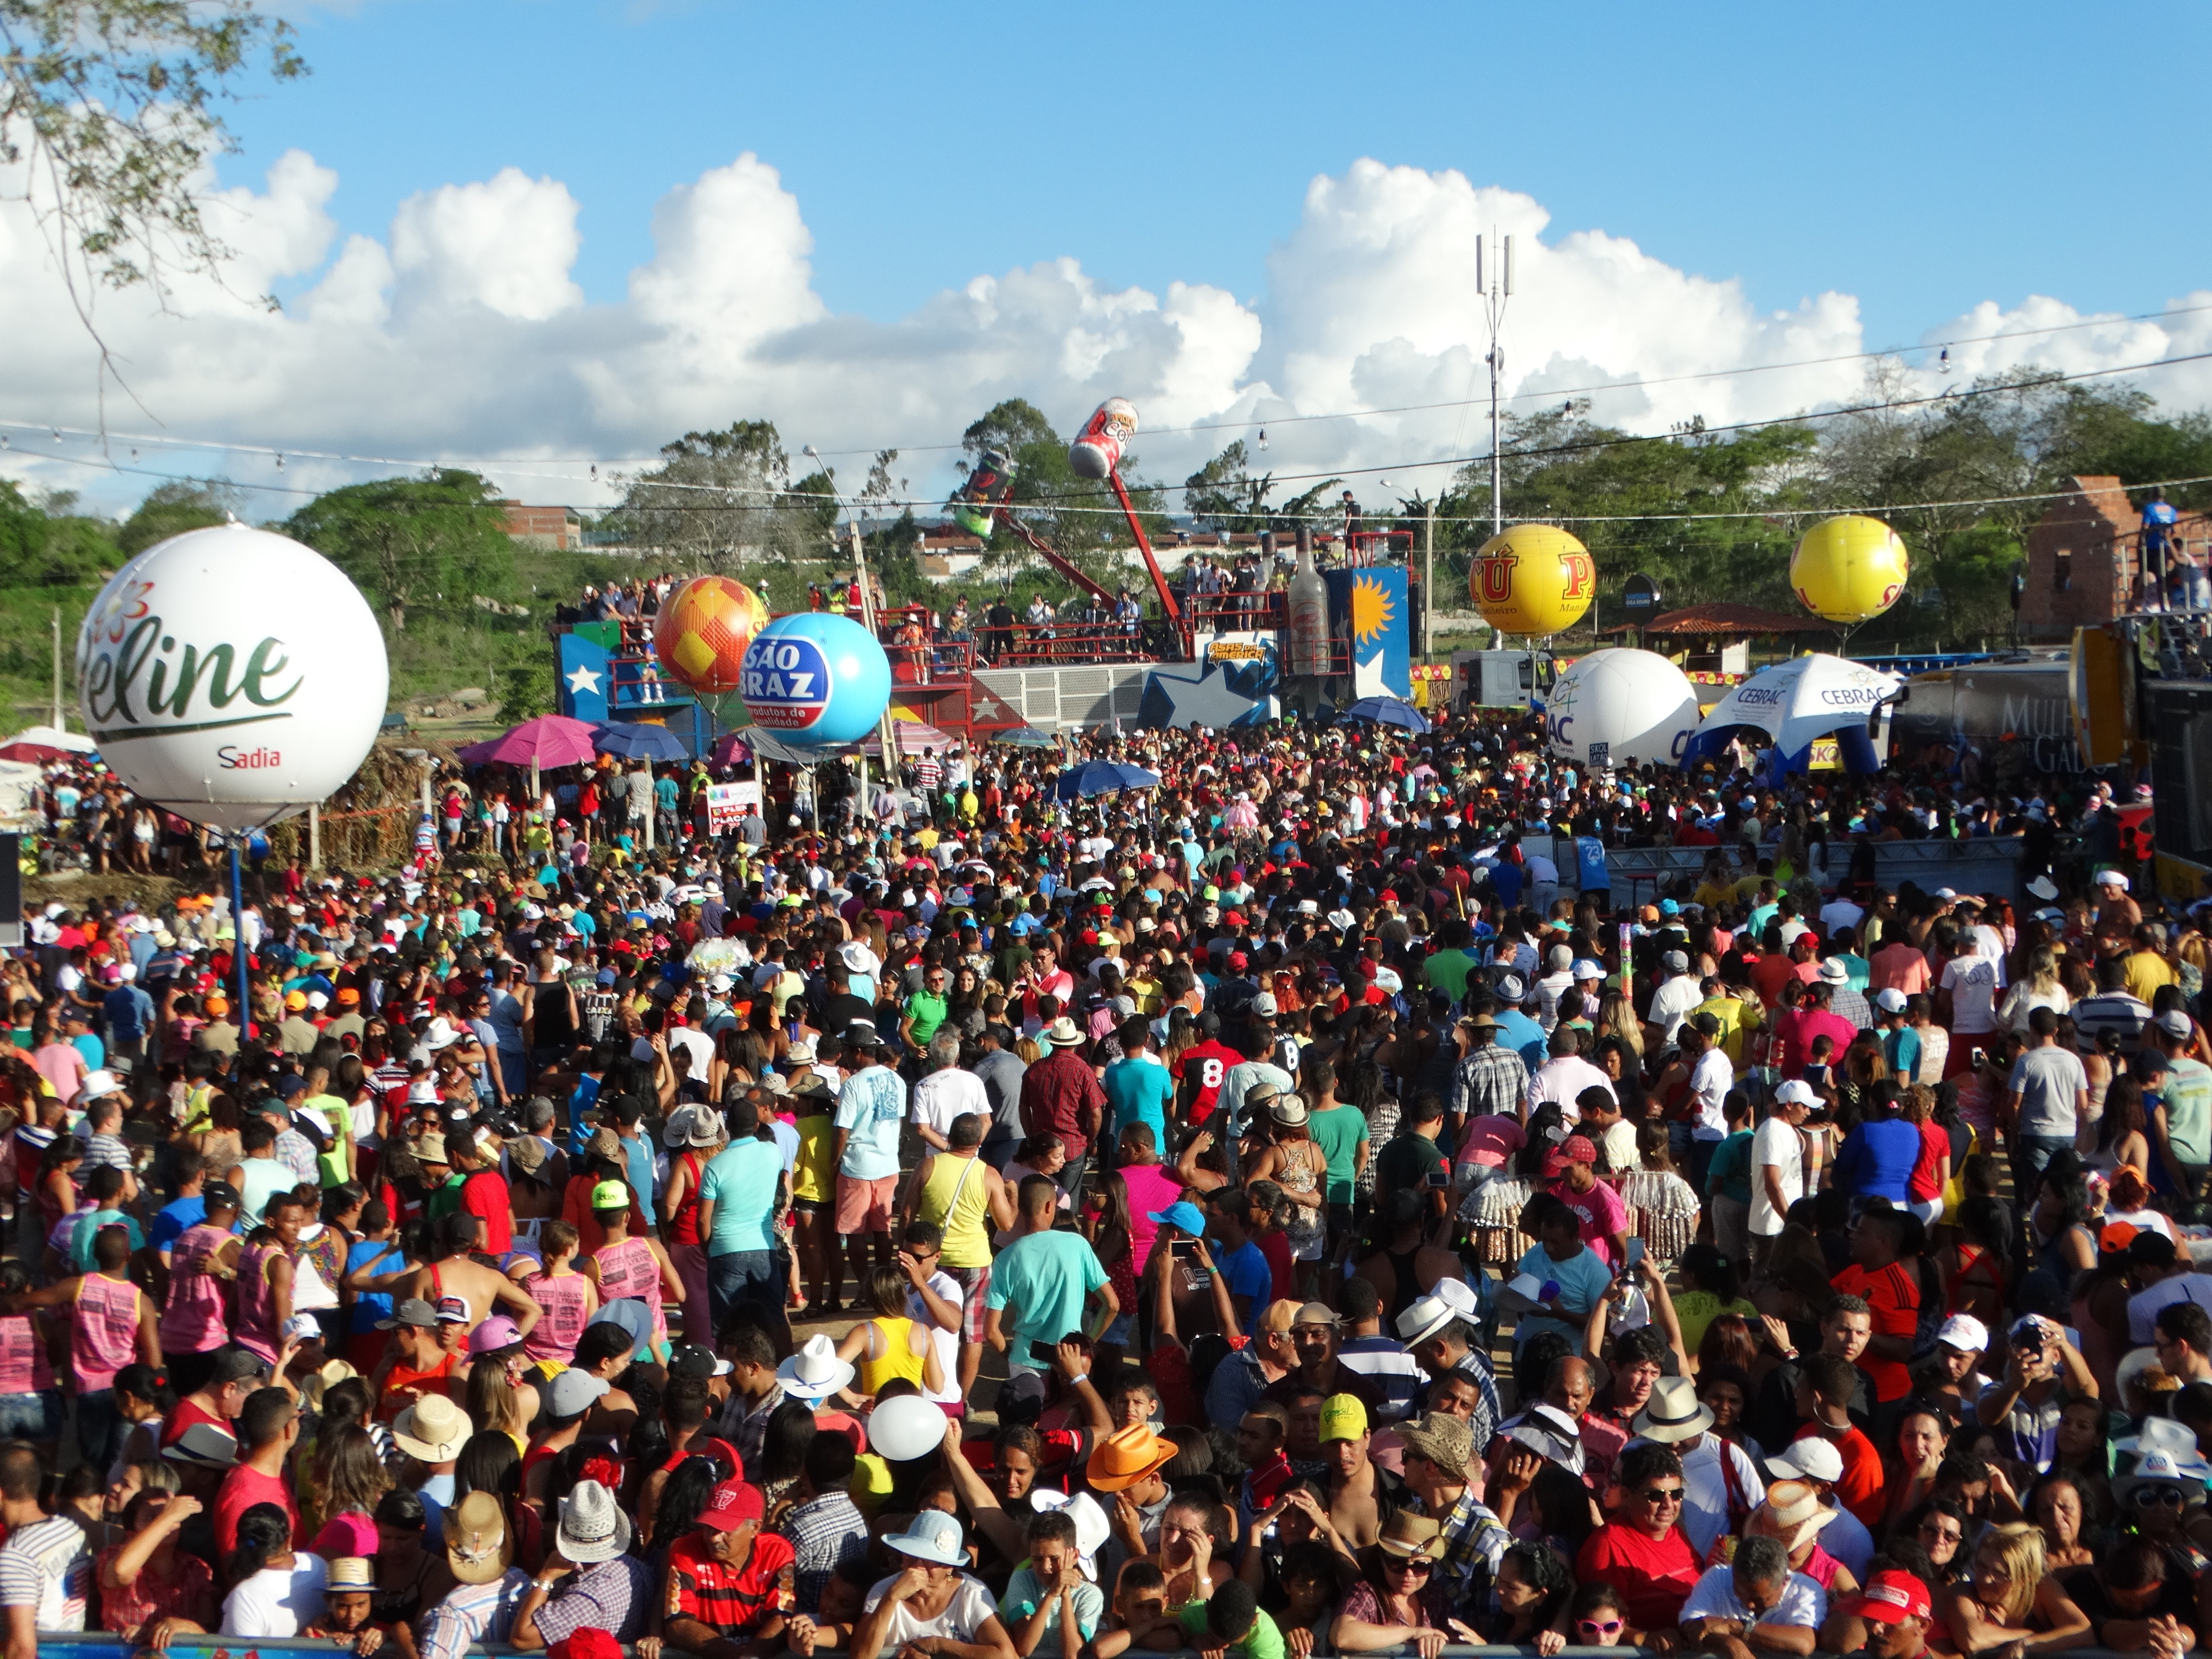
<point x="1308" y="612"/>
<point x="1096" y="450"/>
<point x="973" y="506"/>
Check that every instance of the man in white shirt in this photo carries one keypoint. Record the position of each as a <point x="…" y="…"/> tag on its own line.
<point x="1565" y="1075"/>
<point x="1712" y="1077"/>
<point x="1777" y="1163"/>
<point x="1679" y="993"/>
<point x="1756" y="1590"/>
<point x="947" y="1092"/>
<point x="1965" y="994"/>
<point x="1560" y="962"/>
<point x="1839" y="913"/>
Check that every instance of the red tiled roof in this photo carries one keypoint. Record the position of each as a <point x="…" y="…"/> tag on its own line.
<point x="1722" y="617"/>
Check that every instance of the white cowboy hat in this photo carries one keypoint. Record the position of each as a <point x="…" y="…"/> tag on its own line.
<point x="1062" y="1033"/>
<point x="1091" y="1530"/>
<point x="593" y="1527"/>
<point x="1674" y="1412"/>
<point x="814" y="1372"/>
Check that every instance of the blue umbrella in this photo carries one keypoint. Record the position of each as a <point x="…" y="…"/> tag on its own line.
<point x="1388" y="711"/>
<point x="1135" y="777"/>
<point x="637" y="740"/>
<point x="1099" y="777"/>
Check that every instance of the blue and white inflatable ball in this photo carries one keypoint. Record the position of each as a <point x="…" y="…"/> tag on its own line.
<point x="815" y="678"/>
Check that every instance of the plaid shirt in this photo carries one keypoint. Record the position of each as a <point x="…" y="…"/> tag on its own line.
<point x="826" y="1532"/>
<point x="614" y="1596"/>
<point x="1492" y="1081"/>
<point x="1473" y="1541"/>
<point x="296" y="1153"/>
<point x="472" y="1613"/>
<point x="748" y="1430"/>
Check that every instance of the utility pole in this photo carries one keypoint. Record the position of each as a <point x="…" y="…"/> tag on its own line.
<point x="1493" y="294"/>
<point x="59" y="724"/>
<point x="1429" y="583"/>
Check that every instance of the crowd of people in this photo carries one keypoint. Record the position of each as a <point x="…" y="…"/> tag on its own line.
<point x="1280" y="1212"/>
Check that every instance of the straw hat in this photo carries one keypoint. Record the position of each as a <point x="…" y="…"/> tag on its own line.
<point x="1411" y="1537"/>
<point x="478" y="1546"/>
<point x="1062" y="1033"/>
<point x="1674" y="1412"/>
<point x="1793" y="1512"/>
<point x="593" y="1527"/>
<point x="434" y="1429"/>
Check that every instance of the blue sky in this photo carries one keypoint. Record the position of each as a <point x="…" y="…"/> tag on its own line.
<point x="539" y="235"/>
<point x="1921" y="157"/>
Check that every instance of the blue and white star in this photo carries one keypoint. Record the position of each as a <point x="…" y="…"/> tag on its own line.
<point x="582" y="679"/>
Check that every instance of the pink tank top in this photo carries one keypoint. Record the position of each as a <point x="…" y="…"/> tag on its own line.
<point x="628" y="1269"/>
<point x="104" y="1331"/>
<point x="554" y="1337"/>
<point x="25" y="1366"/>
<point x="1151" y="1190"/>
<point x="196" y="1317"/>
<point x="257" y="1301"/>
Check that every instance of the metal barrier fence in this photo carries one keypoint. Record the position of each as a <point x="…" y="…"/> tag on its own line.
<point x="1980" y="865"/>
<point x="94" y="1645"/>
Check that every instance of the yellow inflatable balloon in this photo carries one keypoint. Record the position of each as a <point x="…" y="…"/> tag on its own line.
<point x="1533" y="579"/>
<point x="1847" y="569"/>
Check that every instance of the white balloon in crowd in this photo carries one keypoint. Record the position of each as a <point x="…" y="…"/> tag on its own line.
<point x="231" y="675"/>
<point x="1621" y="708"/>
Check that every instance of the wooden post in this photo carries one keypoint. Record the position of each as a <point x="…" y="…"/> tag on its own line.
<point x="314" y="837"/>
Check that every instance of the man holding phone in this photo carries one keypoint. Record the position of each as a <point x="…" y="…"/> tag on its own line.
<point x="2043" y="1371"/>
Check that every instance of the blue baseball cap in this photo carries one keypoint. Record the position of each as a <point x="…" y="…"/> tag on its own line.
<point x="1669" y="908"/>
<point x="1184" y="1214"/>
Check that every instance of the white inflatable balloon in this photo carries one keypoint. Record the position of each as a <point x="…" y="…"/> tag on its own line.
<point x="232" y="676"/>
<point x="1621" y="708"/>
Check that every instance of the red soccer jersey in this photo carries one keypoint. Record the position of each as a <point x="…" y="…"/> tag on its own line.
<point x="1209" y="1062"/>
<point x="1893" y="1293"/>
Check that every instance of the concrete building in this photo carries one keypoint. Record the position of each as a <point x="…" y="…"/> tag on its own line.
<point x="560" y="529"/>
<point x="2085" y="558"/>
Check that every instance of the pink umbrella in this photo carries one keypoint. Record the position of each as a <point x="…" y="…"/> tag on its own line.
<point x="547" y="741"/>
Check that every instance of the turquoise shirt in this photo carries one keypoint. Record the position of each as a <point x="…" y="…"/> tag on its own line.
<point x="740" y="1180"/>
<point x="1045" y="1278"/>
<point x="1140" y="1091"/>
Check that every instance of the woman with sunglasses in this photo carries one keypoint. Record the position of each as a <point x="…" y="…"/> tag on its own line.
<point x="1940" y="1529"/>
<point x="1399" y="1603"/>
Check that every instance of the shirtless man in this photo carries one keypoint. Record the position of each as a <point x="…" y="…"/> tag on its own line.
<point x="1360" y="1494"/>
<point x="482" y="1290"/>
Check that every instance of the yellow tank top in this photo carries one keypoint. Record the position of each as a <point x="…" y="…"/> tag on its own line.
<point x="893" y="1335"/>
<point x="957" y="1197"/>
<point x="810" y="1174"/>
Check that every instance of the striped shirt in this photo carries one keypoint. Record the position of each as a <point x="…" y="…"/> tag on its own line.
<point x="471" y="1613"/>
<point x="48" y="1565"/>
<point x="729" y="1601"/>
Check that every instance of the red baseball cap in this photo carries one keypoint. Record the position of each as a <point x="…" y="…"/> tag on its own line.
<point x="1890" y="1597"/>
<point x="734" y="1502"/>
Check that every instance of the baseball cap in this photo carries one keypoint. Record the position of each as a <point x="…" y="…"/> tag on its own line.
<point x="1810" y="1459"/>
<point x="610" y="1196"/>
<point x="1890" y="1597"/>
<point x="2175" y="1024"/>
<point x="412" y="1310"/>
<point x="1343" y="1417"/>
<point x="1965" y="1333"/>
<point x="1889" y="999"/>
<point x="734" y="1502"/>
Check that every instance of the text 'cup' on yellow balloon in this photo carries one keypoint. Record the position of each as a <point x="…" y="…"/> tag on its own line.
<point x="1533" y="579"/>
<point x="1849" y="568"/>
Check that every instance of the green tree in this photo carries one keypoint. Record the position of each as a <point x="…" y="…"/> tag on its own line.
<point x="718" y="501"/>
<point x="44" y="544"/>
<point x="438" y="539"/>
<point x="1223" y="495"/>
<point x="171" y="510"/>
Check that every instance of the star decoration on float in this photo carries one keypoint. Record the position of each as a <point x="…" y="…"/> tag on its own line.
<point x="582" y="679"/>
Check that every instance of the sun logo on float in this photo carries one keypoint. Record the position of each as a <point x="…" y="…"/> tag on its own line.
<point x="1371" y="610"/>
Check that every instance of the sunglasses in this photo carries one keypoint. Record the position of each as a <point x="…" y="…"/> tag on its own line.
<point x="1660" y="1494"/>
<point x="1598" y="1626"/>
<point x="1412" y="1564"/>
<point x="1942" y="1535"/>
<point x="2164" y="1498"/>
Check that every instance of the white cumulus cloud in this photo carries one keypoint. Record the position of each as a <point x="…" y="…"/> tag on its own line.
<point x="462" y="335"/>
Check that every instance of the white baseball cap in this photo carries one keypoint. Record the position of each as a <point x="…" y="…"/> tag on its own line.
<point x="1889" y="999"/>
<point x="1796" y="1092"/>
<point x="1811" y="1458"/>
<point x="1965" y="1333"/>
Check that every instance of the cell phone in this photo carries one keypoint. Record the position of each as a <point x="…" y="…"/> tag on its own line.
<point x="1438" y="1180"/>
<point x="1043" y="1354"/>
<point x="1976" y="1056"/>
